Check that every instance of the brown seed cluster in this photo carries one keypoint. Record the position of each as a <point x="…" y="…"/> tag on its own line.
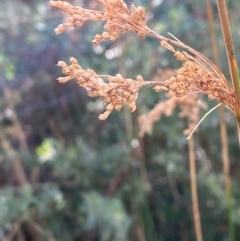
<point x="195" y="78"/>
<point x="115" y="92"/>
<point x="119" y="18"/>
<point x="77" y="14"/>
<point x="190" y="108"/>
<point x="192" y="78"/>
<point x="189" y="80"/>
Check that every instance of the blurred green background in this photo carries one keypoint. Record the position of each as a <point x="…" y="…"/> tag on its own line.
<point x="65" y="175"/>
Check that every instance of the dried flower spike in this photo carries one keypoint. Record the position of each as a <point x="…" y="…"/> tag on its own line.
<point x="114" y="90"/>
<point x="193" y="77"/>
<point x="119" y="19"/>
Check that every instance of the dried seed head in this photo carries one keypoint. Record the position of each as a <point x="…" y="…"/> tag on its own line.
<point x="180" y="56"/>
<point x="166" y="45"/>
<point x="119" y="18"/>
<point x="115" y="90"/>
<point x="194" y="78"/>
<point x="189" y="105"/>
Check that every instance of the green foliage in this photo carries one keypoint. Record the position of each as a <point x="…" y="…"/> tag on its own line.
<point x="107" y="215"/>
<point x="9" y="210"/>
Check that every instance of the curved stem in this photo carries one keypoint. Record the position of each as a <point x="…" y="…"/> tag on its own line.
<point x="215" y="107"/>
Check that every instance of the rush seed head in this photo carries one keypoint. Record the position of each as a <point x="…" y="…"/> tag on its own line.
<point x="197" y="74"/>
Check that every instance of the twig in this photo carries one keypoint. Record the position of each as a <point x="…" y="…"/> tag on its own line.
<point x="16" y="162"/>
<point x="13" y="231"/>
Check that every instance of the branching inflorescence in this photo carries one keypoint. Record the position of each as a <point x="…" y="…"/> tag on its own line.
<point x="197" y="75"/>
<point x="115" y="92"/>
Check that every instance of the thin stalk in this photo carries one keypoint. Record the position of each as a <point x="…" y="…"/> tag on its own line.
<point x="223" y="128"/>
<point x="223" y="15"/>
<point x="202" y="119"/>
<point x="194" y="192"/>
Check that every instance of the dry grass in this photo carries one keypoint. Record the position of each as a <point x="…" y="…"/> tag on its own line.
<point x="197" y="75"/>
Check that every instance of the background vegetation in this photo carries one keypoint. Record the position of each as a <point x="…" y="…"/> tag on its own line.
<point x="65" y="175"/>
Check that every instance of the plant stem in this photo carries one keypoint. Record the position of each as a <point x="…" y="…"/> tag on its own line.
<point x="223" y="128"/>
<point x="194" y="193"/>
<point x="223" y="15"/>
